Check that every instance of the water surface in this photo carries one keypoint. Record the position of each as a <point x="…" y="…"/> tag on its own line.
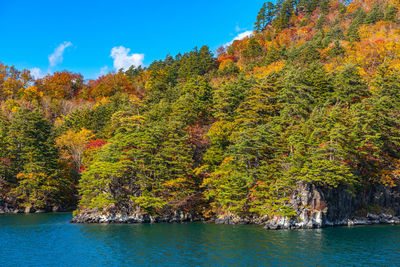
<point x="50" y="240"/>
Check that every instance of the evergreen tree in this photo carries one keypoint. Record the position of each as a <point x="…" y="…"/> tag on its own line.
<point x="352" y="32"/>
<point x="375" y="15"/>
<point x="261" y="17"/>
<point x="391" y="13"/>
<point x="254" y="49"/>
<point x="285" y="12"/>
<point x="34" y="162"/>
<point x="349" y="86"/>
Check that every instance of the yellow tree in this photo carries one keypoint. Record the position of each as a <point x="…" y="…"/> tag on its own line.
<point x="72" y="145"/>
<point x="12" y="81"/>
<point x="35" y="188"/>
<point x="32" y="94"/>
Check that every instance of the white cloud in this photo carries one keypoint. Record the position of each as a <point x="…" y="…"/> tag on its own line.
<point x="240" y="36"/>
<point x="57" y="56"/>
<point x="238" y="29"/>
<point x="37" y="73"/>
<point x="122" y="59"/>
<point x="103" y="71"/>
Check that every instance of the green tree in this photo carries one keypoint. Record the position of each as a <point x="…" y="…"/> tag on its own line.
<point x="36" y="175"/>
<point x="349" y="86"/>
<point x="359" y="19"/>
<point x="254" y="49"/>
<point x="391" y="13"/>
<point x="260" y="22"/>
<point x="376" y="14"/>
<point x="285" y="12"/>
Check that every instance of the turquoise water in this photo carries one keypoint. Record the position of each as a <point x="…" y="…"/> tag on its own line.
<point x="50" y="240"/>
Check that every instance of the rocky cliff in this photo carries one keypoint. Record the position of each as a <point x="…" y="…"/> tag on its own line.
<point x="94" y="216"/>
<point x="317" y="208"/>
<point x="8" y="207"/>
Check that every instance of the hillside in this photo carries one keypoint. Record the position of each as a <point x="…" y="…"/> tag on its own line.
<point x="310" y="100"/>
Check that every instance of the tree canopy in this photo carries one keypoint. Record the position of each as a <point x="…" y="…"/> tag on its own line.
<point x="313" y="95"/>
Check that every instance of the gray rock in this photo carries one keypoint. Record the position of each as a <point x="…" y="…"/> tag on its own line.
<point x="40" y="211"/>
<point x="55" y="209"/>
<point x="92" y="216"/>
<point x="373" y="216"/>
<point x="29" y="210"/>
<point x="317" y="207"/>
<point x="386" y="216"/>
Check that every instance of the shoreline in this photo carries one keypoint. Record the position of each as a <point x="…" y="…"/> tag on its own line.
<point x="277" y="223"/>
<point x="34" y="211"/>
<point x="284" y="223"/>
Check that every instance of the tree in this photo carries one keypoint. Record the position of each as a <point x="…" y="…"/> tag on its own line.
<point x="352" y="32"/>
<point x="109" y="85"/>
<point x="228" y="97"/>
<point x="61" y="85"/>
<point x="36" y="188"/>
<point x="5" y="157"/>
<point x="375" y="15"/>
<point x="227" y="187"/>
<point x="197" y="62"/>
<point x="29" y="139"/>
<point x="391" y="13"/>
<point x="12" y="81"/>
<point x="313" y="96"/>
<point x="254" y="49"/>
<point x="261" y="18"/>
<point x="33" y="162"/>
<point x="349" y="86"/>
<point x="72" y="145"/>
<point x="285" y="12"/>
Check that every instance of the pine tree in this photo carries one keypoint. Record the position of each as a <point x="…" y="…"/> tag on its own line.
<point x="352" y="32"/>
<point x="391" y="13"/>
<point x="349" y="86"/>
<point x="34" y="166"/>
<point x="285" y="12"/>
<point x="260" y="22"/>
<point x="375" y="15"/>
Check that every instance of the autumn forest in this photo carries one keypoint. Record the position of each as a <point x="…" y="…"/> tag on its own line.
<point x="313" y="95"/>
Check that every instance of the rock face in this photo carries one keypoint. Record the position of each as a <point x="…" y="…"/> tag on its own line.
<point x="317" y="208"/>
<point x="234" y="219"/>
<point x="8" y="208"/>
<point x="29" y="210"/>
<point x="93" y="216"/>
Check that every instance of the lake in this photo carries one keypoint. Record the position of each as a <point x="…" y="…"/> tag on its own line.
<point x="50" y="240"/>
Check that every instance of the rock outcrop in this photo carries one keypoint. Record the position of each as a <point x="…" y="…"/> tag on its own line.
<point x="317" y="208"/>
<point x="7" y="207"/>
<point x="93" y="216"/>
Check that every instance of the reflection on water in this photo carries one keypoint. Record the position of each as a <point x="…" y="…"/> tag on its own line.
<point x="49" y="239"/>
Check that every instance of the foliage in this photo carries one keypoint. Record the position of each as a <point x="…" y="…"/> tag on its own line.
<point x="72" y="145"/>
<point x="312" y="96"/>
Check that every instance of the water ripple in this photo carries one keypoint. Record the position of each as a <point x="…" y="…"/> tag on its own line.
<point x="50" y="240"/>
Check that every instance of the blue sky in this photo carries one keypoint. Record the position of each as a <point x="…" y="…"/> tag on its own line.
<point x="92" y="37"/>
